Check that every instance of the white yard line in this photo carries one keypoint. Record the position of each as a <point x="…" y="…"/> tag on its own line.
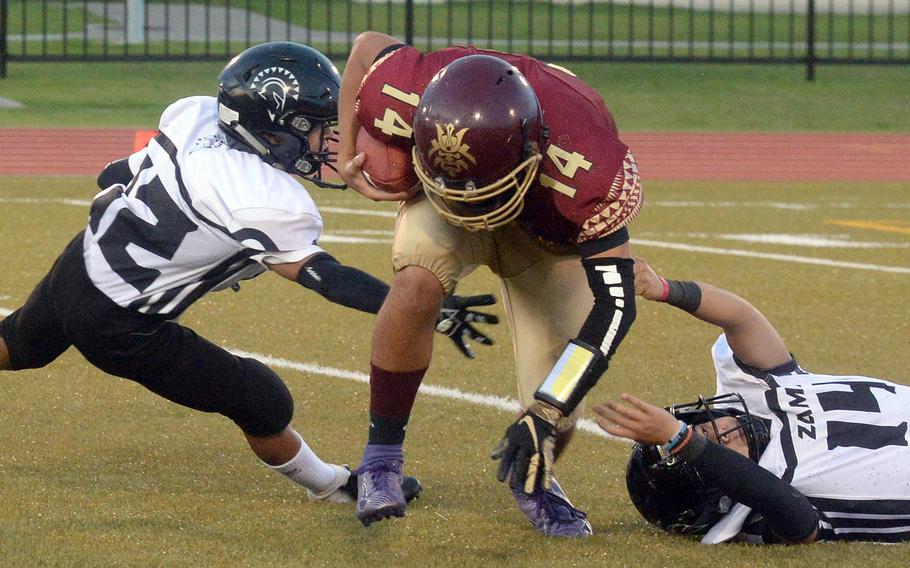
<point x="490" y="401"/>
<point x="638" y="242"/>
<point x="773" y="256"/>
<point x="496" y="402"/>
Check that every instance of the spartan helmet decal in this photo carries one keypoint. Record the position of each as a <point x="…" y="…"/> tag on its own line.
<point x="271" y="97"/>
<point x="275" y="85"/>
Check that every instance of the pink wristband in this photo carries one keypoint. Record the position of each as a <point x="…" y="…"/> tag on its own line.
<point x="666" y="293"/>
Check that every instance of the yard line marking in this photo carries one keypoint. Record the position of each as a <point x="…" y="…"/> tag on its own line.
<point x="497" y="402"/>
<point x="368" y="212"/>
<point x="885" y="226"/>
<point x="43" y="200"/>
<point x="788" y="239"/>
<point x="772" y="256"/>
<point x="642" y="242"/>
<point x="330" y="238"/>
<point x="768" y="204"/>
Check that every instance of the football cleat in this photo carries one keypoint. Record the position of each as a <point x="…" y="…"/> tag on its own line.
<point x="552" y="513"/>
<point x="337" y="491"/>
<point x="379" y="491"/>
<point x="344" y="487"/>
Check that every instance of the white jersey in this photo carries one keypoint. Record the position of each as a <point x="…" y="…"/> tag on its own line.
<point x="197" y="216"/>
<point x="839" y="440"/>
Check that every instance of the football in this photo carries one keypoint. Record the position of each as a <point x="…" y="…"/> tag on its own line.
<point x="386" y="167"/>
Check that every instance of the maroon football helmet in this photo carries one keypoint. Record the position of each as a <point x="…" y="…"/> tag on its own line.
<point x="478" y="138"/>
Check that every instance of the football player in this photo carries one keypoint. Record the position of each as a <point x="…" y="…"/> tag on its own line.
<point x="779" y="454"/>
<point x="521" y="170"/>
<point x="210" y="201"/>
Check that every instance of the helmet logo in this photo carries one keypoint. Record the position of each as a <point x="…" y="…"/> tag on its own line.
<point x="451" y="156"/>
<point x="275" y="85"/>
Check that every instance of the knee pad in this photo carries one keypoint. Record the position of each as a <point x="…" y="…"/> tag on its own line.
<point x="266" y="406"/>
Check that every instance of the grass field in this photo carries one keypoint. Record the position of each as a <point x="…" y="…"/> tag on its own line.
<point x="96" y="471"/>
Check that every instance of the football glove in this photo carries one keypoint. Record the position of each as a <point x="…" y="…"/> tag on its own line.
<point x="525" y="453"/>
<point x="455" y="321"/>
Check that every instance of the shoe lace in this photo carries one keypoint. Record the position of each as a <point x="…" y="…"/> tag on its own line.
<point x="558" y="509"/>
<point x="382" y="472"/>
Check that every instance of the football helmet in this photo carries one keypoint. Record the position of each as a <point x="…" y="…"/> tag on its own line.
<point x="272" y="96"/>
<point x="478" y="140"/>
<point x="671" y="494"/>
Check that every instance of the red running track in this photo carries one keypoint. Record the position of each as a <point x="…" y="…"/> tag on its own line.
<point x="660" y="155"/>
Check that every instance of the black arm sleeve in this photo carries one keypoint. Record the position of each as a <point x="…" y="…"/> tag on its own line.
<point x="612" y="282"/>
<point x="787" y="512"/>
<point x="343" y="285"/>
<point x="117" y="171"/>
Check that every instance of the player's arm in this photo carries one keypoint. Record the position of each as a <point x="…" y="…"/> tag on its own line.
<point x="353" y="288"/>
<point x="788" y="513"/>
<point x="117" y="171"/>
<point x="367" y="46"/>
<point x="749" y="333"/>
<point x="525" y="458"/>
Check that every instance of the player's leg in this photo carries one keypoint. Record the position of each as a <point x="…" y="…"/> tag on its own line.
<point x="427" y="265"/>
<point x="546" y="304"/>
<point x="33" y="336"/>
<point x="175" y="363"/>
<point x="4" y="355"/>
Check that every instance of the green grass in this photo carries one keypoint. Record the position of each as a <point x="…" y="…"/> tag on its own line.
<point x="96" y="471"/>
<point x="641" y="96"/>
<point x="491" y="24"/>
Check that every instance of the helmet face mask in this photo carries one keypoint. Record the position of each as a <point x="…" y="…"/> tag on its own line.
<point x="478" y="138"/>
<point x="671" y="494"/>
<point x="272" y="96"/>
<point x="485" y="208"/>
<point x="709" y="410"/>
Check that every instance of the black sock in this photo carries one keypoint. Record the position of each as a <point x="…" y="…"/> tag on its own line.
<point x="387" y="431"/>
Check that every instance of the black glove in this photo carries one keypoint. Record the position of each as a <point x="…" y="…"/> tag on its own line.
<point x="455" y="321"/>
<point x="525" y="453"/>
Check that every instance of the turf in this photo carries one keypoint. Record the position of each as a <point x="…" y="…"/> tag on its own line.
<point x="97" y="471"/>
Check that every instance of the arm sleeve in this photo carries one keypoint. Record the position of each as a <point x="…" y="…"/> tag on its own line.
<point x="343" y="285"/>
<point x="586" y="358"/>
<point x="788" y="513"/>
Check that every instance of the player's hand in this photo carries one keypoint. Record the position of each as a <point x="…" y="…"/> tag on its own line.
<point x="525" y="453"/>
<point x="638" y="420"/>
<point x="647" y="283"/>
<point x="352" y="174"/>
<point x="455" y="321"/>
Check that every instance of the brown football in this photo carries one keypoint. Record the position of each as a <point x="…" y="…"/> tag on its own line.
<point x="387" y="167"/>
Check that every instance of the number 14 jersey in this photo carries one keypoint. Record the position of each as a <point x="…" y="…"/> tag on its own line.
<point x="587" y="186"/>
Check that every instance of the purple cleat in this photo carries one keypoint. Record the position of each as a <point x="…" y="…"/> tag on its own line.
<point x="552" y="513"/>
<point x="379" y="479"/>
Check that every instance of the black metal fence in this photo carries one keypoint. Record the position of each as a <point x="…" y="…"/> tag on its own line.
<point x="806" y="32"/>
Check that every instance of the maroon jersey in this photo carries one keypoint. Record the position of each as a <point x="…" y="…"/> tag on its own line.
<point x="587" y="186"/>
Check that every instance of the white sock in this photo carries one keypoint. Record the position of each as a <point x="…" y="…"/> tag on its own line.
<point x="306" y="469"/>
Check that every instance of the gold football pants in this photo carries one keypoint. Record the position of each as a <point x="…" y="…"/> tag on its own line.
<point x="544" y="289"/>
